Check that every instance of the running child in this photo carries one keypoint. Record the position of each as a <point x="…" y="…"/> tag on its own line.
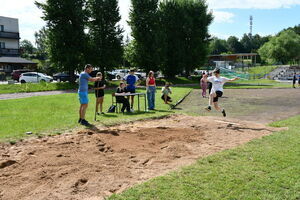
<point x="217" y="90"/>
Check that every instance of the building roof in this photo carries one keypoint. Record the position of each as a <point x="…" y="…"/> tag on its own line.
<point x="8" y="18"/>
<point x="15" y="60"/>
<point x="235" y="54"/>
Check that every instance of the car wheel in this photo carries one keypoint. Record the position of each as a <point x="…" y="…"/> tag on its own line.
<point x="23" y="81"/>
<point x="196" y="73"/>
<point x="118" y="77"/>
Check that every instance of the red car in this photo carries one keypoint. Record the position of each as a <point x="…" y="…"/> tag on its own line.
<point x="15" y="75"/>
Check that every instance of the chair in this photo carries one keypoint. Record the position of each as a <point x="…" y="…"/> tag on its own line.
<point x="114" y="102"/>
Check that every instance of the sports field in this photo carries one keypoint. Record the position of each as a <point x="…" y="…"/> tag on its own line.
<point x="99" y="162"/>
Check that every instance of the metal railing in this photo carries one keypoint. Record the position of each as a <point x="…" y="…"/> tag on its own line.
<point x="9" y="35"/>
<point x="9" y="52"/>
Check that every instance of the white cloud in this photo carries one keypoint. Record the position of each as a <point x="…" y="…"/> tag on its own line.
<point x="223" y="17"/>
<point x="28" y="14"/>
<point x="124" y="6"/>
<point x="248" y="4"/>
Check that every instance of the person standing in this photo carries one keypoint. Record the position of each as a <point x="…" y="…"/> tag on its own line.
<point x="217" y="90"/>
<point x="294" y="80"/>
<point x="84" y="78"/>
<point x="203" y="84"/>
<point x="131" y="81"/>
<point x="99" y="93"/>
<point x="151" y="90"/>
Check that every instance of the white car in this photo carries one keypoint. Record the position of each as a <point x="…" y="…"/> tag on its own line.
<point x="120" y="73"/>
<point x="35" y="77"/>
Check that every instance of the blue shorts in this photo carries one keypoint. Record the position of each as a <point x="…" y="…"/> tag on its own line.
<point x="130" y="89"/>
<point x="83" y="97"/>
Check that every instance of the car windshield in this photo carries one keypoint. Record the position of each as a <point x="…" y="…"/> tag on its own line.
<point x="41" y="74"/>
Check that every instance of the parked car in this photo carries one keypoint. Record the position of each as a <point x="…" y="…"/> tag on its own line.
<point x="198" y="72"/>
<point x="15" y="75"/>
<point x="108" y="75"/>
<point x="34" y="77"/>
<point x="140" y="74"/>
<point x="120" y="73"/>
<point x="63" y="77"/>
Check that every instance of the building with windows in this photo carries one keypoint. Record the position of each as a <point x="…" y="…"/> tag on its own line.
<point x="9" y="37"/>
<point x="10" y="46"/>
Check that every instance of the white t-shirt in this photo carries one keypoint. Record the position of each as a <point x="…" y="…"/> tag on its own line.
<point x="217" y="83"/>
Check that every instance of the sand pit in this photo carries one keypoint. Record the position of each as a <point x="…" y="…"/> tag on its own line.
<point x="93" y="164"/>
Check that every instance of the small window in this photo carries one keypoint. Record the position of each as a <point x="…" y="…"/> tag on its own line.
<point x="1" y="28"/>
<point x="2" y="45"/>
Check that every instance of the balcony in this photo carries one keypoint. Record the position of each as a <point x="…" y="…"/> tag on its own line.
<point x="10" y="52"/>
<point x="9" y="35"/>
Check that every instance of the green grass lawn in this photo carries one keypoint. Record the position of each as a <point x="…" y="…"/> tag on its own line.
<point x="267" y="168"/>
<point x="38" y="87"/>
<point x="56" y="113"/>
<point x="256" y="84"/>
<point x="35" y="87"/>
<point x="259" y="71"/>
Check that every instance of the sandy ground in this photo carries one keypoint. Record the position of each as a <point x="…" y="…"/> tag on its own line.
<point x="93" y="164"/>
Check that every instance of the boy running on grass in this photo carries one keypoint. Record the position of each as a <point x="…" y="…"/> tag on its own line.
<point x="217" y="90"/>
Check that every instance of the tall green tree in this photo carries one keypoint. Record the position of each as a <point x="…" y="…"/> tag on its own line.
<point x="247" y="43"/>
<point x="41" y="40"/>
<point x="185" y="27"/>
<point x="105" y="35"/>
<point x="65" y="21"/>
<point x="218" y="46"/>
<point x="234" y="45"/>
<point x="27" y="48"/>
<point x="144" y="22"/>
<point x="283" y="48"/>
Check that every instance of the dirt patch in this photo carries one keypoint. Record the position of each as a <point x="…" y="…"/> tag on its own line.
<point x="259" y="105"/>
<point x="93" y="164"/>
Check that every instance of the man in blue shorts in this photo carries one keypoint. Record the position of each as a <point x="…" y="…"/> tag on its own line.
<point x="131" y="81"/>
<point x="84" y="78"/>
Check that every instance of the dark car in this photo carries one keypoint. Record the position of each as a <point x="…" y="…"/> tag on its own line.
<point x="108" y="75"/>
<point x="15" y="75"/>
<point x="63" y="77"/>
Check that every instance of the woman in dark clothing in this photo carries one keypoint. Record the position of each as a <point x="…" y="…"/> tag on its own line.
<point x="121" y="99"/>
<point x="99" y="92"/>
<point x="294" y="80"/>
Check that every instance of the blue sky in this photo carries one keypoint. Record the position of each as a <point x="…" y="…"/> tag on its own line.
<point x="265" y="21"/>
<point x="231" y="16"/>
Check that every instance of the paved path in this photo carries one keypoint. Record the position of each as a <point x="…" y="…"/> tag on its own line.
<point x="45" y="93"/>
<point x="33" y="94"/>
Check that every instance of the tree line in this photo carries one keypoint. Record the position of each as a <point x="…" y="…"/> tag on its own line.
<point x="282" y="48"/>
<point x="170" y="35"/>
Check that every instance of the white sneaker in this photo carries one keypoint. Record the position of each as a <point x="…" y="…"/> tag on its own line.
<point x="131" y="110"/>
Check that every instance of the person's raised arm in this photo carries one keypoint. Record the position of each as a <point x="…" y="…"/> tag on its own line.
<point x="94" y="79"/>
<point x="233" y="79"/>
